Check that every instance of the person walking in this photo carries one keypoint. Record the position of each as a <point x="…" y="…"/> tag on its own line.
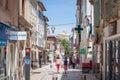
<point x="58" y="63"/>
<point x="73" y="61"/>
<point x="77" y="62"/>
<point x="40" y="61"/>
<point x="65" y="64"/>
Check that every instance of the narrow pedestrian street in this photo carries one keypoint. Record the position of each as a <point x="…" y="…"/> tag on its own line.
<point x="59" y="39"/>
<point x="50" y="73"/>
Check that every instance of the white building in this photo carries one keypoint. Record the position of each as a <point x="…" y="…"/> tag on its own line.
<point x="84" y="18"/>
<point x="38" y="31"/>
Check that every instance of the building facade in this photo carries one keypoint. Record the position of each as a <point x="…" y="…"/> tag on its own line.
<point x="51" y="47"/>
<point x="8" y="43"/>
<point x="106" y="23"/>
<point x="24" y="24"/>
<point x="85" y="20"/>
<point x="23" y="17"/>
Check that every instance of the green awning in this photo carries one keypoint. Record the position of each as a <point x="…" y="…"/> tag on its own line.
<point x="82" y="51"/>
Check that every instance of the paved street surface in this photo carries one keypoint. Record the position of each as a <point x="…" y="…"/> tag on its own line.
<point x="48" y="73"/>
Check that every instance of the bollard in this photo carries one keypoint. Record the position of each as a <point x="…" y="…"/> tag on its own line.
<point x="50" y="66"/>
<point x="55" y="77"/>
<point x="81" y="77"/>
<point x="84" y="77"/>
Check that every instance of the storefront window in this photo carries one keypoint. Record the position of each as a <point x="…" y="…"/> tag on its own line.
<point x="1" y="62"/>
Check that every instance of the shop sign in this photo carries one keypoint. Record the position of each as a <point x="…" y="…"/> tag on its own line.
<point x="6" y="31"/>
<point x="21" y="35"/>
<point x="27" y="61"/>
<point x="12" y="35"/>
<point x="85" y="68"/>
<point x="82" y="51"/>
<point x="3" y="42"/>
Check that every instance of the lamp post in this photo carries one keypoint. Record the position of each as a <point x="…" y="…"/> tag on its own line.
<point x="52" y="29"/>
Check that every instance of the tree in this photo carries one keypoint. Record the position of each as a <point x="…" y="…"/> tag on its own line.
<point x="65" y="44"/>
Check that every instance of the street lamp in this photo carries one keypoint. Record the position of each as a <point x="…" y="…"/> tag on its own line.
<point x="52" y="29"/>
<point x="48" y="31"/>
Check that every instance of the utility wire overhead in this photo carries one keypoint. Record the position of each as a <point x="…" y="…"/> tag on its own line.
<point x="61" y="24"/>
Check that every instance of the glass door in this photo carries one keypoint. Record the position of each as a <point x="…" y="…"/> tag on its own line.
<point x="12" y="60"/>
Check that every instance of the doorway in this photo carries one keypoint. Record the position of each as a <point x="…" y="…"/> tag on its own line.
<point x="2" y="67"/>
<point x="11" y="61"/>
<point x="111" y="58"/>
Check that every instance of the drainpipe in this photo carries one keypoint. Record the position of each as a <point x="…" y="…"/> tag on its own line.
<point x="110" y="60"/>
<point x="119" y="59"/>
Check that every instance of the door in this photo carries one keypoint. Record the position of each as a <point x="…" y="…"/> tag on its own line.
<point x="2" y="67"/>
<point x="112" y="59"/>
<point x="12" y="60"/>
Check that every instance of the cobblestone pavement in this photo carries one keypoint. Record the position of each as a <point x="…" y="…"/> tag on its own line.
<point x="48" y="73"/>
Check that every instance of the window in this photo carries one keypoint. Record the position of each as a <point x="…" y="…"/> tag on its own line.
<point x="23" y="7"/>
<point x="7" y="4"/>
<point x="40" y="14"/>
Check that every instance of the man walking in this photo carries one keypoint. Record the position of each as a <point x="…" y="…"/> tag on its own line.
<point x="73" y="61"/>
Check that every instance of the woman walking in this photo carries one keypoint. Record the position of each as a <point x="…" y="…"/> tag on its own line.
<point x="65" y="64"/>
<point x="58" y="63"/>
<point x="73" y="61"/>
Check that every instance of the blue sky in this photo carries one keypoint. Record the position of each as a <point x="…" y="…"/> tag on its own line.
<point x="60" y="12"/>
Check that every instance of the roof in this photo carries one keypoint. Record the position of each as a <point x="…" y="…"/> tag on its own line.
<point x="41" y="6"/>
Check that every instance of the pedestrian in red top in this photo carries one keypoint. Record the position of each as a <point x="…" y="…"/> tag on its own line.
<point x="58" y="63"/>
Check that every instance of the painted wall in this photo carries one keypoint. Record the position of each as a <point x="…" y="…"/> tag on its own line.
<point x="9" y="14"/>
<point x="41" y="27"/>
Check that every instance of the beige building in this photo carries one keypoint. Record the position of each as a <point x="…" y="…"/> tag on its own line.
<point x="22" y="15"/>
<point x="38" y="38"/>
<point x="63" y="35"/>
<point x="8" y="43"/>
<point x="24" y="24"/>
<point x="106" y="22"/>
<point x="84" y="18"/>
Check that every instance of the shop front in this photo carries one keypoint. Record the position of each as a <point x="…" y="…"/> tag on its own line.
<point x="3" y="44"/>
<point x="111" y="53"/>
<point x="7" y="51"/>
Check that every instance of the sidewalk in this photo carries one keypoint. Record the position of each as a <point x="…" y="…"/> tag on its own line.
<point x="47" y="73"/>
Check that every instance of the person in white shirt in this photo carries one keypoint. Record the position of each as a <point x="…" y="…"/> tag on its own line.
<point x="58" y="63"/>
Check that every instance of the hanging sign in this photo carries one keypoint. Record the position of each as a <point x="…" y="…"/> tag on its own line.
<point x="20" y="35"/>
<point x="3" y="42"/>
